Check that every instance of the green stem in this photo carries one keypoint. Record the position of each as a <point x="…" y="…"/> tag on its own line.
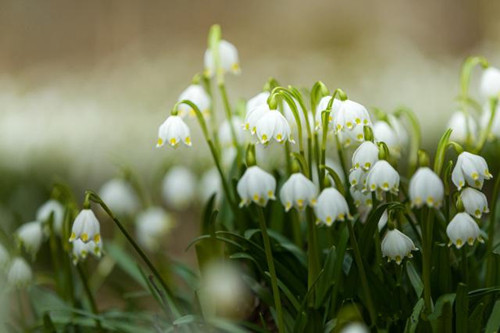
<point x="312" y="253"/>
<point x="297" y="232"/>
<point x="486" y="133"/>
<point x="464" y="265"/>
<point x="427" y="223"/>
<point x="272" y="270"/>
<point x="93" y="305"/>
<point x="490" y="278"/>
<point x="229" y="114"/>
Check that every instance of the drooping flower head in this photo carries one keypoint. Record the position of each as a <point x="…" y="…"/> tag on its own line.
<point x="383" y="132"/>
<point x="426" y="188"/>
<point x="178" y="187"/>
<point x="298" y="191"/>
<point x="350" y="115"/>
<point x="256" y="185"/>
<point x="225" y="135"/>
<point x="471" y="169"/>
<point x="51" y="207"/>
<point x="196" y="94"/>
<point x="152" y="225"/>
<point x="119" y="196"/>
<point x="19" y="274"/>
<point x="174" y="131"/>
<point x="383" y="177"/>
<point x="490" y="83"/>
<point x="365" y="156"/>
<point x="86" y="227"/>
<point x="30" y="235"/>
<point x="462" y="126"/>
<point x="396" y="246"/>
<point x="81" y="250"/>
<point x="474" y="201"/>
<point x="331" y="206"/>
<point x="229" y="60"/>
<point x="273" y="125"/>
<point x="461" y="229"/>
<point x="322" y="106"/>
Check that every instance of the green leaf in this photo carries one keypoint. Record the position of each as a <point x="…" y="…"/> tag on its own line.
<point x="415" y="280"/>
<point x="476" y="318"/>
<point x="412" y="321"/>
<point x="494" y="320"/>
<point x="125" y="262"/>
<point x="461" y="309"/>
<point x="438" y="308"/>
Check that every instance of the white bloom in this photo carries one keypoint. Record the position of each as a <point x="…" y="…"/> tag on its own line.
<point x="355" y="328"/>
<point x="361" y="198"/>
<point x="322" y="105"/>
<point x="462" y="125"/>
<point x="298" y="191"/>
<point x="82" y="249"/>
<point x="179" y="187"/>
<point x="470" y="168"/>
<point x="272" y="124"/>
<point x="490" y="83"/>
<point x="357" y="179"/>
<point x="196" y="94"/>
<point x="30" y="235"/>
<point x="350" y="115"/>
<point x="348" y="137"/>
<point x="4" y="257"/>
<point x="399" y="128"/>
<point x="383" y="177"/>
<point x="475" y="202"/>
<point x="173" y="131"/>
<point x="495" y="125"/>
<point x="426" y="188"/>
<point x="229" y="61"/>
<point x="256" y="185"/>
<point x="461" y="229"/>
<point x="383" y="132"/>
<point x="331" y="206"/>
<point x="51" y="207"/>
<point x="225" y="134"/>
<point x="86" y="227"/>
<point x="19" y="274"/>
<point x="228" y="156"/>
<point x="119" y="196"/>
<point x="253" y="116"/>
<point x="259" y="99"/>
<point x="210" y="184"/>
<point x="365" y="156"/>
<point x="152" y="225"/>
<point x="396" y="245"/>
<point x="383" y="220"/>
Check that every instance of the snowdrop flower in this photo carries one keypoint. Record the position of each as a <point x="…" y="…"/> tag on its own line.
<point x="256" y="185"/>
<point x="272" y="124"/>
<point x="349" y="115"/>
<point x="462" y="126"/>
<point x="361" y="198"/>
<point x="383" y="132"/>
<point x="4" y="257"/>
<point x="475" y="202"/>
<point x="196" y="94"/>
<point x="228" y="156"/>
<point x="298" y="191"/>
<point x="225" y="135"/>
<point x="229" y="61"/>
<point x="152" y="225"/>
<point x="210" y="184"/>
<point x="174" y="131"/>
<point x="383" y="177"/>
<point x="355" y="328"/>
<point x="365" y="156"/>
<point x="119" y="195"/>
<point x="82" y="249"/>
<point x="461" y="229"/>
<point x="495" y="125"/>
<point x="331" y="206"/>
<point x="357" y="179"/>
<point x="383" y="220"/>
<point x="51" y="207"/>
<point x="322" y="105"/>
<point x="399" y="129"/>
<point x="426" y="188"/>
<point x="179" y="187"/>
<point x="253" y="116"/>
<point x="490" y="83"/>
<point x="471" y="169"/>
<point x="30" y="235"/>
<point x="19" y="274"/>
<point x="348" y="137"/>
<point x="396" y="245"/>
<point x="259" y="99"/>
<point x="86" y="227"/>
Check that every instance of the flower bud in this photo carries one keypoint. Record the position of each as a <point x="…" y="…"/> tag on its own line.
<point x="19" y="274"/>
<point x="298" y="191"/>
<point x="461" y="229"/>
<point x="120" y="197"/>
<point x="174" y="131"/>
<point x="331" y="206"/>
<point x="256" y="185"/>
<point x="178" y="187"/>
<point x="471" y="169"/>
<point x="474" y="201"/>
<point x="396" y="245"/>
<point x="426" y="188"/>
<point x="196" y="94"/>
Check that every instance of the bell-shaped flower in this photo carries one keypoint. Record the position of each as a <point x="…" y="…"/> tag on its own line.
<point x="350" y="115"/>
<point x="229" y="61"/>
<point x="399" y="129"/>
<point x="426" y="188"/>
<point x="490" y="83"/>
<point x="331" y="206"/>
<point x="273" y="125"/>
<point x="461" y="229"/>
<point x="382" y="177"/>
<point x="383" y="132"/>
<point x="30" y="235"/>
<point x="463" y="126"/>
<point x="178" y="187"/>
<point x="349" y="137"/>
<point x="357" y="179"/>
<point x="86" y="227"/>
<point x="209" y="184"/>
<point x="259" y="99"/>
<point x="289" y="116"/>
<point x="19" y="274"/>
<point x="298" y="191"/>
<point x="225" y="132"/>
<point x="55" y="208"/>
<point x="474" y="201"/>
<point x="196" y="94"/>
<point x="471" y="169"/>
<point x="81" y="250"/>
<point x="361" y="198"/>
<point x="322" y="105"/>
<point x="174" y="131"/>
<point x="253" y="116"/>
<point x="256" y="185"/>
<point x="152" y="225"/>
<point x="396" y="245"/>
<point x="365" y="156"/>
<point x="120" y="197"/>
<point x="495" y="122"/>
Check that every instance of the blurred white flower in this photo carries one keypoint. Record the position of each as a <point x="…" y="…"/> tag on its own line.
<point x="288" y="113"/>
<point x="19" y="274"/>
<point x="196" y="94"/>
<point x="179" y="187"/>
<point x="396" y="245"/>
<point x="173" y="131"/>
<point x="365" y="156"/>
<point x="228" y="156"/>
<point x="361" y="198"/>
<point x="209" y="184"/>
<point x="383" y="132"/>
<point x="462" y="125"/>
<point x="4" y="257"/>
<point x="30" y="235"/>
<point x="331" y="206"/>
<point x="471" y="169"/>
<point x="350" y="115"/>
<point x="298" y="191"/>
<point x="355" y="328"/>
<point x="383" y="177"/>
<point x="357" y="179"/>
<point x="475" y="202"/>
<point x="399" y="128"/>
<point x="229" y="61"/>
<point x="273" y="125"/>
<point x="119" y="196"/>
<point x="490" y="83"/>
<point x="259" y="99"/>
<point x="461" y="229"/>
<point x="51" y="207"/>
<point x="256" y="185"/>
<point x="86" y="227"/>
<point x="495" y="125"/>
<point x="253" y="116"/>
<point x="81" y="250"/>
<point x="152" y="225"/>
<point x="225" y="135"/>
<point x="426" y="188"/>
<point x="322" y="105"/>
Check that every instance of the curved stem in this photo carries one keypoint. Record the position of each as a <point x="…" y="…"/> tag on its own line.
<point x="486" y="133"/>
<point x="491" y="234"/>
<point x="93" y="305"/>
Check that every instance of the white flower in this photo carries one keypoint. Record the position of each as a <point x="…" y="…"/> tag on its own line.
<point x="383" y="132"/>
<point x="461" y="229"/>
<point x="470" y="168"/>
<point x="51" y="207"/>
<point x="495" y="125"/>
<point x="152" y="225"/>
<point x="361" y="198"/>
<point x="272" y="124"/>
<point x="396" y="245"/>
<point x="119" y="196"/>
<point x="426" y="188"/>
<point x="30" y="235"/>
<point x="82" y="249"/>
<point x="225" y="134"/>
<point x="331" y="206"/>
<point x="322" y="105"/>
<point x="383" y="177"/>
<point x="228" y="55"/>
<point x="355" y="328"/>
<point x="86" y="227"/>
<point x="256" y="185"/>
<point x="173" y="131"/>
<point x="19" y="274"/>
<point x="383" y="220"/>
<point x="350" y="115"/>
<point x="357" y="179"/>
<point x="179" y="187"/>
<point x="4" y="257"/>
<point x="253" y="116"/>
<point x="365" y="156"/>
<point x="196" y="94"/>
<point x="259" y="99"/>
<point x="210" y="184"/>
<point x="462" y="125"/>
<point x="399" y="128"/>
<point x="475" y="202"/>
<point x="228" y="156"/>
<point x="490" y="83"/>
<point x="298" y="191"/>
<point x="348" y="137"/>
